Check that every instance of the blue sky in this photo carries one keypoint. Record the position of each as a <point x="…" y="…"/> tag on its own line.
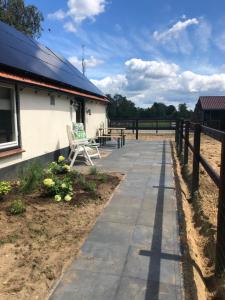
<point x="168" y="51"/>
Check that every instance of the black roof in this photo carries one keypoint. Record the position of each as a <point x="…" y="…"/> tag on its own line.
<point x="25" y="54"/>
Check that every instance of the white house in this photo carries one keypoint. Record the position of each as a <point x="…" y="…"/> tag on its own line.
<point x="40" y="93"/>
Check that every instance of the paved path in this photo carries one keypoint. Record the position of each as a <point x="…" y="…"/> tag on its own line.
<point x="133" y="252"/>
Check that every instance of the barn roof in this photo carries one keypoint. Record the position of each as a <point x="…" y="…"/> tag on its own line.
<point x="21" y="53"/>
<point x="212" y="102"/>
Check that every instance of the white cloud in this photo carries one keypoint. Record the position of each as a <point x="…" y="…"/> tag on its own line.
<point x="220" y="41"/>
<point x="91" y="62"/>
<point x="69" y="26"/>
<point x="197" y="83"/>
<point x="78" y="11"/>
<point x="112" y="84"/>
<point x="57" y="15"/>
<point x="175" y="30"/>
<point x="203" y="35"/>
<point x="147" y="81"/>
<point x="151" y="69"/>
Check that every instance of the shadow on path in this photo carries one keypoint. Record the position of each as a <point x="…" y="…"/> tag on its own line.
<point x="154" y="265"/>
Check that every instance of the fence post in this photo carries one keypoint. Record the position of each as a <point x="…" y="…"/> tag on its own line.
<point x="177" y="133"/>
<point x="136" y="129"/>
<point x="181" y="137"/>
<point x="186" y="140"/>
<point x="133" y="126"/>
<point x="220" y="243"/>
<point x="157" y="126"/>
<point x="195" y="169"/>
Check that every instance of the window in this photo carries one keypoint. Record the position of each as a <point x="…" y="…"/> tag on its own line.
<point x="52" y="100"/>
<point x="80" y="112"/>
<point x="8" y="118"/>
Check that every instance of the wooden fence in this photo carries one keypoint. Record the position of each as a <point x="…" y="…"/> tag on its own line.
<point x="144" y="124"/>
<point x="183" y="145"/>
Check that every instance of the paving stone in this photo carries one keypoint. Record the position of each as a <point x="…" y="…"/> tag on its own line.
<point x="133" y="251"/>
<point x="111" y="233"/>
<point x="139" y="265"/>
<point x="138" y="289"/>
<point x="120" y="214"/>
<point x="102" y="258"/>
<point x="84" y="285"/>
<point x="122" y="199"/>
<point x="142" y="236"/>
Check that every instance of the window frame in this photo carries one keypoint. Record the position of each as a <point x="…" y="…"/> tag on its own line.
<point x="16" y="143"/>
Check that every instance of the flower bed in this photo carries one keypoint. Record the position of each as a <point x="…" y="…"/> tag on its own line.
<point x="42" y="229"/>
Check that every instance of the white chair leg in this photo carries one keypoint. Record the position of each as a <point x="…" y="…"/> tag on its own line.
<point x="70" y="155"/>
<point x="97" y="150"/>
<point x="87" y="156"/>
<point x="74" y="158"/>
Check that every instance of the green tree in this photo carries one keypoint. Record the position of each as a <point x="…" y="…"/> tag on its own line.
<point x="171" y="111"/>
<point x="25" y="18"/>
<point x="183" y="112"/>
<point x="121" y="108"/>
<point x="158" y="110"/>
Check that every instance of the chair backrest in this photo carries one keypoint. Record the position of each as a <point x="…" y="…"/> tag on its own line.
<point x="79" y="132"/>
<point x="70" y="136"/>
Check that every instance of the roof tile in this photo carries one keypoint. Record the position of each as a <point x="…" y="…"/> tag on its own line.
<point x="212" y="102"/>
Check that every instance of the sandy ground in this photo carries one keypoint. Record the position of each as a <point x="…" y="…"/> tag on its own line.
<point x="150" y="137"/>
<point x="36" y="247"/>
<point x="193" y="284"/>
<point x="201" y="219"/>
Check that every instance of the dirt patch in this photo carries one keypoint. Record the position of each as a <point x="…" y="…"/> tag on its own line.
<point x="36" y="247"/>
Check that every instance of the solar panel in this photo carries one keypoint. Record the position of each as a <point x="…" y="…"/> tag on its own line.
<point x="22" y="52"/>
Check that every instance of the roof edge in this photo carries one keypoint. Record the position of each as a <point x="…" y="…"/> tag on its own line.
<point x="51" y="86"/>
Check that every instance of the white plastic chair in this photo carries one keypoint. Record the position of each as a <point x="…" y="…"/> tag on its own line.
<point x="80" y="147"/>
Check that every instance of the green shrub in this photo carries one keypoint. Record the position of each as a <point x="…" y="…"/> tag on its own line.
<point x="93" y="171"/>
<point x="73" y="174"/>
<point x="30" y="177"/>
<point x="17" y="207"/>
<point x="81" y="181"/>
<point x="103" y="177"/>
<point x="59" y="167"/>
<point x="5" y="188"/>
<point x="90" y="186"/>
<point x="60" y="188"/>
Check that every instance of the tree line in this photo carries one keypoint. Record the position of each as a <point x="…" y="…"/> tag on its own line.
<point x="25" y="18"/>
<point x="121" y="108"/>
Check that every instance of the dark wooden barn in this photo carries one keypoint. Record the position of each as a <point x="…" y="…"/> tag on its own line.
<point x="210" y="111"/>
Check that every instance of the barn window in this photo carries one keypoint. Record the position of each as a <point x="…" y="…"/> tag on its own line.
<point x="8" y="118"/>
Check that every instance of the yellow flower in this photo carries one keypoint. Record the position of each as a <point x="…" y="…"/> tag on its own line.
<point x="58" y="198"/>
<point x="67" y="198"/>
<point x="66" y="167"/>
<point x="48" y="182"/>
<point x="61" y="158"/>
<point x="63" y="186"/>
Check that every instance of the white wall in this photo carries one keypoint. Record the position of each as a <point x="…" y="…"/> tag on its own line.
<point x="43" y="126"/>
<point x="96" y="119"/>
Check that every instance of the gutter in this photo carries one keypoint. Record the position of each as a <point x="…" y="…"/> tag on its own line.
<point x="50" y="86"/>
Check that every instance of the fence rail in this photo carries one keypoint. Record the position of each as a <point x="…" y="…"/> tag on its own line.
<point x="183" y="145"/>
<point x="144" y="124"/>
